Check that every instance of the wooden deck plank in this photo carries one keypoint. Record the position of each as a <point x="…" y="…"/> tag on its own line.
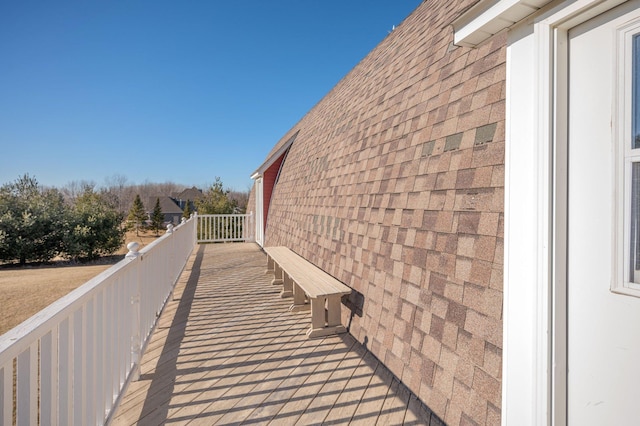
<point x="259" y="392"/>
<point x="273" y="371"/>
<point x="323" y="403"/>
<point x="228" y="351"/>
<point x="354" y="390"/>
<point x="302" y="398"/>
<point x="376" y="392"/>
<point x="286" y="380"/>
<point x="395" y="405"/>
<point x="417" y="413"/>
<point x="223" y="394"/>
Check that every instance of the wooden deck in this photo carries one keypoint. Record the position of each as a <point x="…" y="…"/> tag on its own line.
<point x="228" y="351"/>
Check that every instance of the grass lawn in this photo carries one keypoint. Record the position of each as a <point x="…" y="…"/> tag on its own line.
<point x="26" y="290"/>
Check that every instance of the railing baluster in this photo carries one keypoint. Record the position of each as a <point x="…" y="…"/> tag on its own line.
<point x="79" y="366"/>
<point x="90" y="359"/>
<point x="65" y="372"/>
<point x="6" y="393"/>
<point x="111" y="345"/>
<point x="100" y="358"/>
<point x="49" y="378"/>
<point x="27" y="386"/>
<point x="213" y="228"/>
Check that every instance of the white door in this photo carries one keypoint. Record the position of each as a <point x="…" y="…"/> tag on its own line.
<point x="603" y="378"/>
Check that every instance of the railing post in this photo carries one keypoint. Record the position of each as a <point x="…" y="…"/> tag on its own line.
<point x="171" y="253"/>
<point x="250" y="229"/>
<point x="133" y="250"/>
<point x="195" y="227"/>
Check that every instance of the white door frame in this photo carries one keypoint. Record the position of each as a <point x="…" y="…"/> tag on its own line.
<point x="536" y="159"/>
<point x="534" y="315"/>
<point x="259" y="211"/>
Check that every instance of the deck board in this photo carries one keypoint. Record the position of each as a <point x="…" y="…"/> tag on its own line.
<point x="228" y="351"/>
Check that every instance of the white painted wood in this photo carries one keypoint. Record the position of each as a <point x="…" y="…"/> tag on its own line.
<point x="489" y="17"/>
<point x="223" y="228"/>
<point x="100" y="364"/>
<point x="65" y="372"/>
<point x="274" y="157"/>
<point x="110" y="346"/>
<point x="6" y="394"/>
<point x="90" y="360"/>
<point x="79" y="367"/>
<point x="534" y="312"/>
<point x="74" y="358"/>
<point x="49" y="378"/>
<point x="521" y="245"/>
<point x="558" y="290"/>
<point x="27" y="385"/>
<point x="603" y="348"/>
<point x="259" y="211"/>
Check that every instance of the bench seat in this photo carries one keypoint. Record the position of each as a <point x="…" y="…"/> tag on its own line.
<point x="306" y="282"/>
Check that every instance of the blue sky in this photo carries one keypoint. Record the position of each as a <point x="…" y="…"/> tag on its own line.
<point x="179" y="91"/>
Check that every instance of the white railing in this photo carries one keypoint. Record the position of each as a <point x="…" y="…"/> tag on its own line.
<point x="72" y="361"/>
<point x="216" y="228"/>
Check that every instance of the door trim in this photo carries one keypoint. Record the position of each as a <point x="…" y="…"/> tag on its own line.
<point x="535" y="297"/>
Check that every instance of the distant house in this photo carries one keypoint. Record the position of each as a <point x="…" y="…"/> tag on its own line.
<point x="170" y="209"/>
<point x="173" y="206"/>
<point x="188" y="195"/>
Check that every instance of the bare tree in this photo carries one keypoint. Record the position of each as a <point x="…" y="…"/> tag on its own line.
<point x="241" y="198"/>
<point x="115" y="190"/>
<point x="72" y="190"/>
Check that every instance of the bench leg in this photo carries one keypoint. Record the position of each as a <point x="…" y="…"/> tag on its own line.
<point x="324" y="323"/>
<point x="299" y="299"/>
<point x="334" y="312"/>
<point x="317" y="313"/>
<point x="287" y="286"/>
<point x="270" y="264"/>
<point x="277" y="275"/>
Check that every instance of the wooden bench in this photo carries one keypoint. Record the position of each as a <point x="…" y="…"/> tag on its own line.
<point x="306" y="282"/>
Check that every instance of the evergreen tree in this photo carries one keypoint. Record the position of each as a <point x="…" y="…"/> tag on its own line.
<point x="216" y="200"/>
<point x="93" y="228"/>
<point x="187" y="210"/>
<point x="137" y="215"/>
<point x="32" y="221"/>
<point x="157" y="218"/>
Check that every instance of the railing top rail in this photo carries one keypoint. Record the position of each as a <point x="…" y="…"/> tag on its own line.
<point x="160" y="239"/>
<point x="225" y="215"/>
<point x="17" y="339"/>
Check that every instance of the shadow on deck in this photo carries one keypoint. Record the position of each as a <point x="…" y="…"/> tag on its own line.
<point x="227" y="351"/>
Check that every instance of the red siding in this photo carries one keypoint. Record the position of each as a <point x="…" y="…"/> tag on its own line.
<point x="268" y="183"/>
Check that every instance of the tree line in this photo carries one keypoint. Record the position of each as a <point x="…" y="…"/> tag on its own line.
<point x="121" y="193"/>
<point x="83" y="221"/>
